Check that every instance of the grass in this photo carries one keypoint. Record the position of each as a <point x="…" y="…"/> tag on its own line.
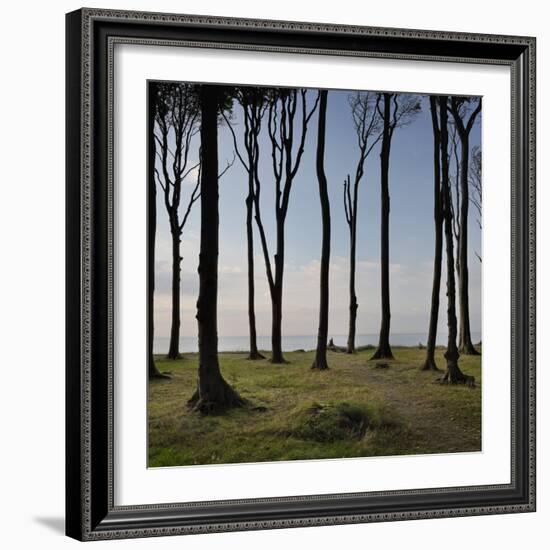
<point x="353" y="409"/>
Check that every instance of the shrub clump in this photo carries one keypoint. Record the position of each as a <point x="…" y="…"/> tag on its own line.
<point x="330" y="422"/>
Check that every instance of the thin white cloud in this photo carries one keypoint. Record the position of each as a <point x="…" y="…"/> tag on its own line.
<point x="410" y="287"/>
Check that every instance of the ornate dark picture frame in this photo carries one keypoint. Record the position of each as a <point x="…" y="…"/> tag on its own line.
<point x="90" y="510"/>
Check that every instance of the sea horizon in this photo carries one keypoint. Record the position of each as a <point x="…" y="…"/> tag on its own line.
<point x="189" y="344"/>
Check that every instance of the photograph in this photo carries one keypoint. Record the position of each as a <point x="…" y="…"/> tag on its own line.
<point x="314" y="273"/>
<point x="284" y="279"/>
<point x="300" y="271"/>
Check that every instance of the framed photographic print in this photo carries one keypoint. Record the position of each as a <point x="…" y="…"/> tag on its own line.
<point x="300" y="274"/>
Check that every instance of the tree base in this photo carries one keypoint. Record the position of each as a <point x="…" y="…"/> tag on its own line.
<point x="319" y="365"/>
<point x="255" y="356"/>
<point x="174" y="357"/>
<point x="468" y="350"/>
<point x="223" y="398"/>
<point x="430" y="365"/>
<point x="332" y="347"/>
<point x="383" y="353"/>
<point x="456" y="376"/>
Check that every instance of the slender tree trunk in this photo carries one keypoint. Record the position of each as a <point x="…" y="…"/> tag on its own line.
<point x="453" y="374"/>
<point x="151" y="237"/>
<point x="213" y="393"/>
<point x="353" y="306"/>
<point x="384" y="350"/>
<point x="430" y="363"/>
<point x="351" y="218"/>
<point x="173" y="350"/>
<point x="254" y="353"/>
<point x="282" y="111"/>
<point x="466" y="346"/>
<point x="277" y="356"/>
<point x="320" y="361"/>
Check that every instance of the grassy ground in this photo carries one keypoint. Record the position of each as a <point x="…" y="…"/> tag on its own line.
<point x="353" y="409"/>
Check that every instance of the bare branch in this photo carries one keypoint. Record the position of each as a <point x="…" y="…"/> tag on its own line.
<point x="241" y="159"/>
<point x="184" y="176"/>
<point x="475" y="181"/>
<point x="195" y="195"/>
<point x="261" y="230"/>
<point x="176" y="118"/>
<point x="459" y="108"/>
<point x="229" y="164"/>
<point x="159" y="180"/>
<point x="347" y="200"/>
<point x="305" y="121"/>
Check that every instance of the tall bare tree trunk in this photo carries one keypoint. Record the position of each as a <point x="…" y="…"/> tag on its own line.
<point x="430" y="363"/>
<point x="254" y="353"/>
<point x="277" y="296"/>
<point x="353" y="306"/>
<point x="252" y="101"/>
<point x="465" y="338"/>
<point x="213" y="393"/>
<point x="367" y="119"/>
<point x="384" y="350"/>
<point x="151" y="234"/>
<point x="173" y="350"/>
<point x="464" y="126"/>
<point x="453" y="375"/>
<point x="320" y="361"/>
<point x="176" y="119"/>
<point x="282" y="110"/>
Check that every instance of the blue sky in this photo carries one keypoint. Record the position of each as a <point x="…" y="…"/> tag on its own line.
<point x="411" y="235"/>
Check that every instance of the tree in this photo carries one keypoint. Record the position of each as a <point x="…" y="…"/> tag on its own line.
<point x="476" y="196"/>
<point x="453" y="374"/>
<point x="464" y="119"/>
<point x="394" y="113"/>
<point x="176" y="122"/>
<point x="213" y="393"/>
<point x="254" y="104"/>
<point x="454" y="180"/>
<point x="320" y="361"/>
<point x="283" y="112"/>
<point x="153" y="100"/>
<point x="366" y="120"/>
<point x="430" y="363"/>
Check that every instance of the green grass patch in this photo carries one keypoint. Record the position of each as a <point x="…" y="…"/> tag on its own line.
<point x="350" y="410"/>
<point x="338" y="421"/>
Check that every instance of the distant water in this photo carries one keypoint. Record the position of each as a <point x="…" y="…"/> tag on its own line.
<point x="291" y="343"/>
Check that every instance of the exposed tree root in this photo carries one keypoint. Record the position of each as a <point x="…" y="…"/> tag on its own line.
<point x="154" y="373"/>
<point x="221" y="399"/>
<point x="319" y="365"/>
<point x="255" y="356"/>
<point x="456" y="376"/>
<point x="383" y="353"/>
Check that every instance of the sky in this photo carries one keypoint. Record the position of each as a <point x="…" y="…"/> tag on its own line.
<point x="411" y="236"/>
